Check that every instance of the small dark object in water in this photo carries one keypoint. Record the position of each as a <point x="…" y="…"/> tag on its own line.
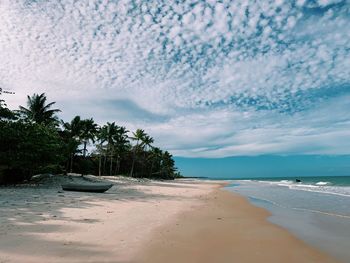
<point x="298" y="180"/>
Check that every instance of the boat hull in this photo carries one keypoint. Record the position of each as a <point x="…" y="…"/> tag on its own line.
<point x="93" y="188"/>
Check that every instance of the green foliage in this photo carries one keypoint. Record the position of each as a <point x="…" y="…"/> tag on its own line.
<point x="88" y="132"/>
<point x="28" y="148"/>
<point x="5" y="113"/>
<point x="113" y="144"/>
<point x="32" y="142"/>
<point x="38" y="111"/>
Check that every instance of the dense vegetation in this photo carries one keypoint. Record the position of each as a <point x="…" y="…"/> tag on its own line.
<point x="33" y="140"/>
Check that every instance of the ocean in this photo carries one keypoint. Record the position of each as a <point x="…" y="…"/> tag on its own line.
<point x="316" y="209"/>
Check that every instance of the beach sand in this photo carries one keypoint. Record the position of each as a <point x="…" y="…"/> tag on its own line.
<point x="227" y="228"/>
<point x="141" y="221"/>
<point x="45" y="224"/>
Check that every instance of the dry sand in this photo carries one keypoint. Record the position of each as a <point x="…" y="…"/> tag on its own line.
<point x="141" y="221"/>
<point x="44" y="224"/>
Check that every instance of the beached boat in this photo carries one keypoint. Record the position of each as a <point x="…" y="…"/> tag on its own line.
<point x="87" y="187"/>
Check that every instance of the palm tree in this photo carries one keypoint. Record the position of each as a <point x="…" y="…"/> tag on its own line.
<point x="74" y="128"/>
<point x="38" y="111"/>
<point x="155" y="156"/>
<point x="146" y="145"/>
<point x="167" y="165"/>
<point x="108" y="134"/>
<point x="138" y="135"/>
<point x="147" y="142"/>
<point x="122" y="145"/>
<point x="72" y="133"/>
<point x="102" y="136"/>
<point x="88" y="132"/>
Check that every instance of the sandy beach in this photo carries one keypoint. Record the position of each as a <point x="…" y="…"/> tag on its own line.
<point x="141" y="221"/>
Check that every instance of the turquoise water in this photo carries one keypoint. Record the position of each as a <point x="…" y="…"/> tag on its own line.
<point x="337" y="185"/>
<point x="317" y="180"/>
<point x="317" y="209"/>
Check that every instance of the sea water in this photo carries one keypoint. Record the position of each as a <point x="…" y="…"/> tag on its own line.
<point x="317" y="209"/>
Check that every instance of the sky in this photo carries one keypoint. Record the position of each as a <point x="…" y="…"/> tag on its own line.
<point x="206" y="79"/>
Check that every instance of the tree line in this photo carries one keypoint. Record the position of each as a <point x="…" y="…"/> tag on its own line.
<point x="34" y="140"/>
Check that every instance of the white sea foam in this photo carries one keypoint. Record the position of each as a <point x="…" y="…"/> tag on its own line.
<point x="319" y="187"/>
<point x="299" y="208"/>
<point x="314" y="209"/>
<point x="322" y="183"/>
<point x="335" y="190"/>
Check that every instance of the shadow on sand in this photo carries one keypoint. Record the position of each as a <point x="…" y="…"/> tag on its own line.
<point x="30" y="212"/>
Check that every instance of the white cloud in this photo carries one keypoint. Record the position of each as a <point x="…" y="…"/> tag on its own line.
<point x="213" y="79"/>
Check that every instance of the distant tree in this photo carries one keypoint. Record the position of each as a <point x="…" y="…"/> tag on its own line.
<point x="28" y="148"/>
<point x="38" y="111"/>
<point x="5" y="113"/>
<point x="102" y="137"/>
<point x="112" y="130"/>
<point x="117" y="144"/>
<point x="155" y="158"/>
<point x="138" y="136"/>
<point x="31" y="142"/>
<point x="74" y="127"/>
<point x="88" y="132"/>
<point x="122" y="145"/>
<point x="71" y="135"/>
<point x="147" y="142"/>
<point x="167" y="166"/>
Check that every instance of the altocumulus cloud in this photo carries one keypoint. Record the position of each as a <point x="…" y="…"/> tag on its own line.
<point x="205" y="78"/>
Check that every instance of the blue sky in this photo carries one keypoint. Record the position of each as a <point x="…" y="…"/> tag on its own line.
<point x="205" y="78"/>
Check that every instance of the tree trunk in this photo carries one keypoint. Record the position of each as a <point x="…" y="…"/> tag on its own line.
<point x="150" y="172"/>
<point x="100" y="160"/>
<point x="84" y="151"/>
<point x="133" y="160"/>
<point x="111" y="166"/>
<point x="99" y="164"/>
<point x="67" y="165"/>
<point x="104" y="164"/>
<point x="71" y="162"/>
<point x="116" y="166"/>
<point x="132" y="167"/>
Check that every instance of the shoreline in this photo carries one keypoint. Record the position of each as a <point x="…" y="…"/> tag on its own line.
<point x="225" y="228"/>
<point x="143" y="221"/>
<point x="318" y="218"/>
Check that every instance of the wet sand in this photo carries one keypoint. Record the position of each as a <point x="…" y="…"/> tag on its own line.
<point x="227" y="228"/>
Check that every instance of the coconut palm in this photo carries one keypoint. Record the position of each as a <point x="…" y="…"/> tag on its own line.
<point x="107" y="134"/>
<point x="138" y="136"/>
<point x="167" y="165"/>
<point x="147" y="142"/>
<point x="146" y="146"/>
<point x="102" y="136"/>
<point x="38" y="111"/>
<point x="74" y="128"/>
<point x="155" y="157"/>
<point x="122" y="145"/>
<point x="88" y="132"/>
<point x="72" y="133"/>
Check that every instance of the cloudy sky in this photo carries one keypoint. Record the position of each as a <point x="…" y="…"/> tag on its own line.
<point x="205" y="78"/>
